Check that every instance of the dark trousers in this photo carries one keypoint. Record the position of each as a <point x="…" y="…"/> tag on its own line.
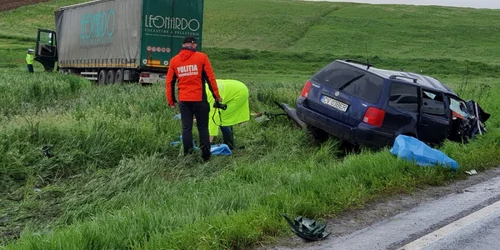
<point x="227" y="136"/>
<point x="199" y="110"/>
<point x="30" y="68"/>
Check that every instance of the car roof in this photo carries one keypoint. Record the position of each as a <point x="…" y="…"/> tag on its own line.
<point x="411" y="78"/>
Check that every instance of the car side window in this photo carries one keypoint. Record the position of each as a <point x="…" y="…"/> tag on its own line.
<point x="433" y="103"/>
<point x="404" y="96"/>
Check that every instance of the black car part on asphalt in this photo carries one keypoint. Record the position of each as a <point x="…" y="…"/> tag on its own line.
<point x="308" y="229"/>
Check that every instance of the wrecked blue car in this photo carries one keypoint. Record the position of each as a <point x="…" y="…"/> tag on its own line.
<point x="367" y="106"/>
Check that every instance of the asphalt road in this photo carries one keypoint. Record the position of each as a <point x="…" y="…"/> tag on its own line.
<point x="481" y="235"/>
<point x="468" y="219"/>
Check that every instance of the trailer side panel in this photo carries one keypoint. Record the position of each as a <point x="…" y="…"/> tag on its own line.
<point x="105" y="34"/>
<point x="165" y="23"/>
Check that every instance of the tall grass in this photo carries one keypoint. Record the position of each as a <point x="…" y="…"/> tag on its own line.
<point x="115" y="182"/>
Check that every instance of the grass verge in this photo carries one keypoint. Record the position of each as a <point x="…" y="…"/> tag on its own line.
<point x="116" y="183"/>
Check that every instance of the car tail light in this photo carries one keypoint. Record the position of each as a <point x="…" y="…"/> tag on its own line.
<point x="144" y="74"/>
<point x="305" y="90"/>
<point x="374" y="116"/>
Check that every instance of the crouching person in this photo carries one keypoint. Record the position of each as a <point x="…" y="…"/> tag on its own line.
<point x="233" y="111"/>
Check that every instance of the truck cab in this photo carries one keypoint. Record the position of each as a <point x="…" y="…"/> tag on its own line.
<point x="46" y="49"/>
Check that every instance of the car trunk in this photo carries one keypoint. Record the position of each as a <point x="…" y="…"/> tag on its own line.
<point x="344" y="93"/>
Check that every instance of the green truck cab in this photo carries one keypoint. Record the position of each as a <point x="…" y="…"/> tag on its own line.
<point x="112" y="41"/>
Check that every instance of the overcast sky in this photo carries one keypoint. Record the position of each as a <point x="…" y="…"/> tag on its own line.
<point x="490" y="4"/>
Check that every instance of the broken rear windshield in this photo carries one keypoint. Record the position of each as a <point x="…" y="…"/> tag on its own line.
<point x="351" y="80"/>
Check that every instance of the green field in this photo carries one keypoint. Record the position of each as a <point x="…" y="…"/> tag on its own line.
<point x="116" y="183"/>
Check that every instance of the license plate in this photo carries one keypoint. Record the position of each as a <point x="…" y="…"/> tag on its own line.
<point x="334" y="103"/>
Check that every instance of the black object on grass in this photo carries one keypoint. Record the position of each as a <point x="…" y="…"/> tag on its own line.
<point x="308" y="229"/>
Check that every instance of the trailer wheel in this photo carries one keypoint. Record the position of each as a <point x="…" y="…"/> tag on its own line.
<point x="111" y="77"/>
<point x="102" y="80"/>
<point x="119" y="76"/>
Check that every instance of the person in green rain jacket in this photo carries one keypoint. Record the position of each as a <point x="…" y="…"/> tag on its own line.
<point x="235" y="96"/>
<point x="30" y="59"/>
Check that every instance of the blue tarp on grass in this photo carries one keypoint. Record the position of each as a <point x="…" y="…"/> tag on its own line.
<point x="220" y="149"/>
<point x="410" y="148"/>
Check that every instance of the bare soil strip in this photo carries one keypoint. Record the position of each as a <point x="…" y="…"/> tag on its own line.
<point x="12" y="4"/>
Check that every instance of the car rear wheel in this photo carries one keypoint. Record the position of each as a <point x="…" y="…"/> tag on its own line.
<point x="317" y="134"/>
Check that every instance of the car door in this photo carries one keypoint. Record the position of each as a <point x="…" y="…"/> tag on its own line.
<point x="401" y="113"/>
<point x="46" y="49"/>
<point x="434" y="117"/>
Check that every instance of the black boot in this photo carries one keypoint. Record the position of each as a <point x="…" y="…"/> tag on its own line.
<point x="228" y="136"/>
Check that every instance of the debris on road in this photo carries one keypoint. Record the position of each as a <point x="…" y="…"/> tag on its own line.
<point x="471" y="172"/>
<point x="307" y="229"/>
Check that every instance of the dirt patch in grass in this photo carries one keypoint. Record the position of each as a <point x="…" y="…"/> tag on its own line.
<point x="12" y="4"/>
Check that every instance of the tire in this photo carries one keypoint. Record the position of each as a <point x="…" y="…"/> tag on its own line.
<point x="111" y="77"/>
<point x="102" y="78"/>
<point x="317" y="134"/>
<point x="119" y="76"/>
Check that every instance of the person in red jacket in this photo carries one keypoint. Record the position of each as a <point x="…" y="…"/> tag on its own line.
<point x="191" y="70"/>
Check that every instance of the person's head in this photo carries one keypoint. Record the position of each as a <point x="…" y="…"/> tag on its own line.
<point x="30" y="51"/>
<point x="190" y="41"/>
